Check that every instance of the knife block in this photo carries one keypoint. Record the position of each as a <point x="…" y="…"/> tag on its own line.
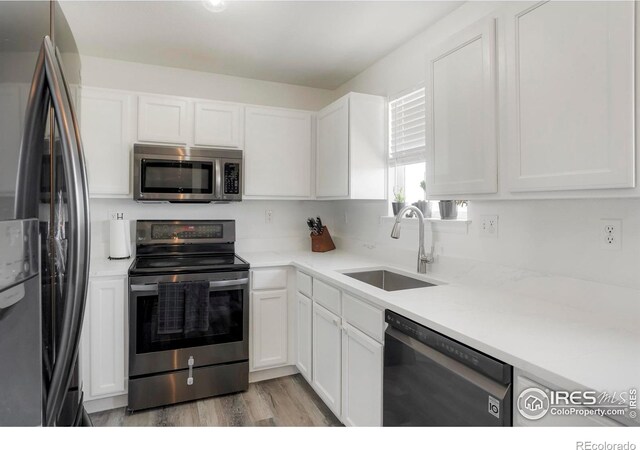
<point x="322" y="242"/>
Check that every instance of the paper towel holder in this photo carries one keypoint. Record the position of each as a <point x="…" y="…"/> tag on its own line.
<point x="124" y="239"/>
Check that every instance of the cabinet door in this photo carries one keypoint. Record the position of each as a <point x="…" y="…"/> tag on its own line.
<point x="105" y="122"/>
<point x="162" y="119"/>
<point x="327" y="360"/>
<point x="361" y="379"/>
<point x="217" y="124"/>
<point x="332" y="152"/>
<point x="304" y="313"/>
<point x="277" y="156"/>
<point x="269" y="329"/>
<point x="104" y="371"/>
<point x="462" y="156"/>
<point x="571" y="95"/>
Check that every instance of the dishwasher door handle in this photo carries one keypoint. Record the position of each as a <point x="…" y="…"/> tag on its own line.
<point x="476" y="378"/>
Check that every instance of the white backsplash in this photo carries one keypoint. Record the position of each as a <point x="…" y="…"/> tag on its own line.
<point x="559" y="237"/>
<point x="287" y="231"/>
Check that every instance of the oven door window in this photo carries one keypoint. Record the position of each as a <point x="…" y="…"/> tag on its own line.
<point x="224" y="323"/>
<point x="177" y="177"/>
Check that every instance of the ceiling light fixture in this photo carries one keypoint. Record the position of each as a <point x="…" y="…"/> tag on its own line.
<point x="214" y="5"/>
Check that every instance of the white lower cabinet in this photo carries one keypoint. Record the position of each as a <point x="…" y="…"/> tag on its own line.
<point x="327" y="360"/>
<point x="304" y="319"/>
<point x="362" y="365"/>
<point x="269" y="329"/>
<point x="340" y="351"/>
<point x="103" y="342"/>
<point x="269" y="319"/>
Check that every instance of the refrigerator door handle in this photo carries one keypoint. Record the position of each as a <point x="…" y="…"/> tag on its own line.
<point x="49" y="85"/>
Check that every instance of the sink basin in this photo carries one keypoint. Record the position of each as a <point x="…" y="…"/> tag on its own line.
<point x="389" y="281"/>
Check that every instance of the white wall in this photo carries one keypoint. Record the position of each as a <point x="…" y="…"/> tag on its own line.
<point x="114" y="74"/>
<point x="554" y="236"/>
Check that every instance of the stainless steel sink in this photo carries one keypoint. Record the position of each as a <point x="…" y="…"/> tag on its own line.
<point x="389" y="281"/>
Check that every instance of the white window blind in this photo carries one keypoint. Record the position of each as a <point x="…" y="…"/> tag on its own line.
<point x="407" y="122"/>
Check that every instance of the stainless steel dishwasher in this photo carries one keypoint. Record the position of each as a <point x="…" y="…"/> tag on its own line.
<point x="432" y="380"/>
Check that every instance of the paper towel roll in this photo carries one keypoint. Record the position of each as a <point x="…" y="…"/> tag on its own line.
<point x="119" y="239"/>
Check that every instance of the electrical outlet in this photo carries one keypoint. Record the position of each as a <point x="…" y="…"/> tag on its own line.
<point x="113" y="215"/>
<point x="268" y="216"/>
<point x="611" y="234"/>
<point x="489" y="226"/>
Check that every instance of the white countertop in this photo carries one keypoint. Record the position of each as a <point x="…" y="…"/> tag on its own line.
<point x="572" y="333"/>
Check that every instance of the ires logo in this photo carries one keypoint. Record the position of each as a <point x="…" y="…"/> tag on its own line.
<point x="534" y="403"/>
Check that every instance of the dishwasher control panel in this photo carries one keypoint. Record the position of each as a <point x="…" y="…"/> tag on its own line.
<point x="481" y="362"/>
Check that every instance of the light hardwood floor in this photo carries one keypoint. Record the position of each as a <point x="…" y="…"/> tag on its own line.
<point x="284" y="402"/>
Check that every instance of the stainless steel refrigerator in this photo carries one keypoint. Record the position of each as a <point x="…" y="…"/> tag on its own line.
<point x="44" y="218"/>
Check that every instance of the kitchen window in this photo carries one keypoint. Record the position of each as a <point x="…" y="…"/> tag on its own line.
<point x="407" y="151"/>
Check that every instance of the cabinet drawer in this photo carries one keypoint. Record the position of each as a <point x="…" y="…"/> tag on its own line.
<point x="304" y="284"/>
<point x="365" y="317"/>
<point x="269" y="279"/>
<point x="327" y="296"/>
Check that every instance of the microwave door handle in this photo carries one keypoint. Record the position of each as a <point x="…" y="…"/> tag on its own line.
<point x="49" y="87"/>
<point x="219" y="194"/>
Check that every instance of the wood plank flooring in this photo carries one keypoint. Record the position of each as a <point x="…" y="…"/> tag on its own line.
<point x="282" y="402"/>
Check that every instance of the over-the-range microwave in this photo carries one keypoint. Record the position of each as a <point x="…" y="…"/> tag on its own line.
<point x="186" y="175"/>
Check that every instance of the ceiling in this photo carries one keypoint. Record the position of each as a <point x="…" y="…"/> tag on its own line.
<point x="311" y="43"/>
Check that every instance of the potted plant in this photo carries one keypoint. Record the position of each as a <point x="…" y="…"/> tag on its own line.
<point x="449" y="208"/>
<point x="423" y="205"/>
<point x="398" y="200"/>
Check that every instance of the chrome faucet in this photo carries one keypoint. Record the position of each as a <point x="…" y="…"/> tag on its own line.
<point x="423" y="258"/>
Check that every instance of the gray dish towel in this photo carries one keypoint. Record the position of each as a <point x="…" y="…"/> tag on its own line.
<point x="170" y="307"/>
<point x="196" y="306"/>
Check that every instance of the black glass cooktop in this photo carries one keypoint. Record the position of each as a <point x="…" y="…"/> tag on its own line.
<point x="188" y="264"/>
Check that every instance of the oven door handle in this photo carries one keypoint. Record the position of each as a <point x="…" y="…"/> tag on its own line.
<point x="212" y="284"/>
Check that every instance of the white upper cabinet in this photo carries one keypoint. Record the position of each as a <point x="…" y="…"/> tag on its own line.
<point x="332" y="158"/>
<point x="217" y="124"/>
<point x="462" y="155"/>
<point x="277" y="156"/>
<point x="570" y="70"/>
<point x="351" y="159"/>
<point x="162" y="119"/>
<point x="105" y="123"/>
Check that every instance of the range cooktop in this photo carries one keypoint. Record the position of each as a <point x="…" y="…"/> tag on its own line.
<point x="163" y="264"/>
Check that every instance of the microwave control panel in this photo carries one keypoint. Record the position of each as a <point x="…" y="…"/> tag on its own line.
<point x="231" y="180"/>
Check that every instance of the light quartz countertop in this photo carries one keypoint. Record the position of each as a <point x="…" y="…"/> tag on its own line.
<point x="572" y="333"/>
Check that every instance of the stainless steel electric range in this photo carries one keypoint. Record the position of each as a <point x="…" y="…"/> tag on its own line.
<point x="188" y="313"/>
